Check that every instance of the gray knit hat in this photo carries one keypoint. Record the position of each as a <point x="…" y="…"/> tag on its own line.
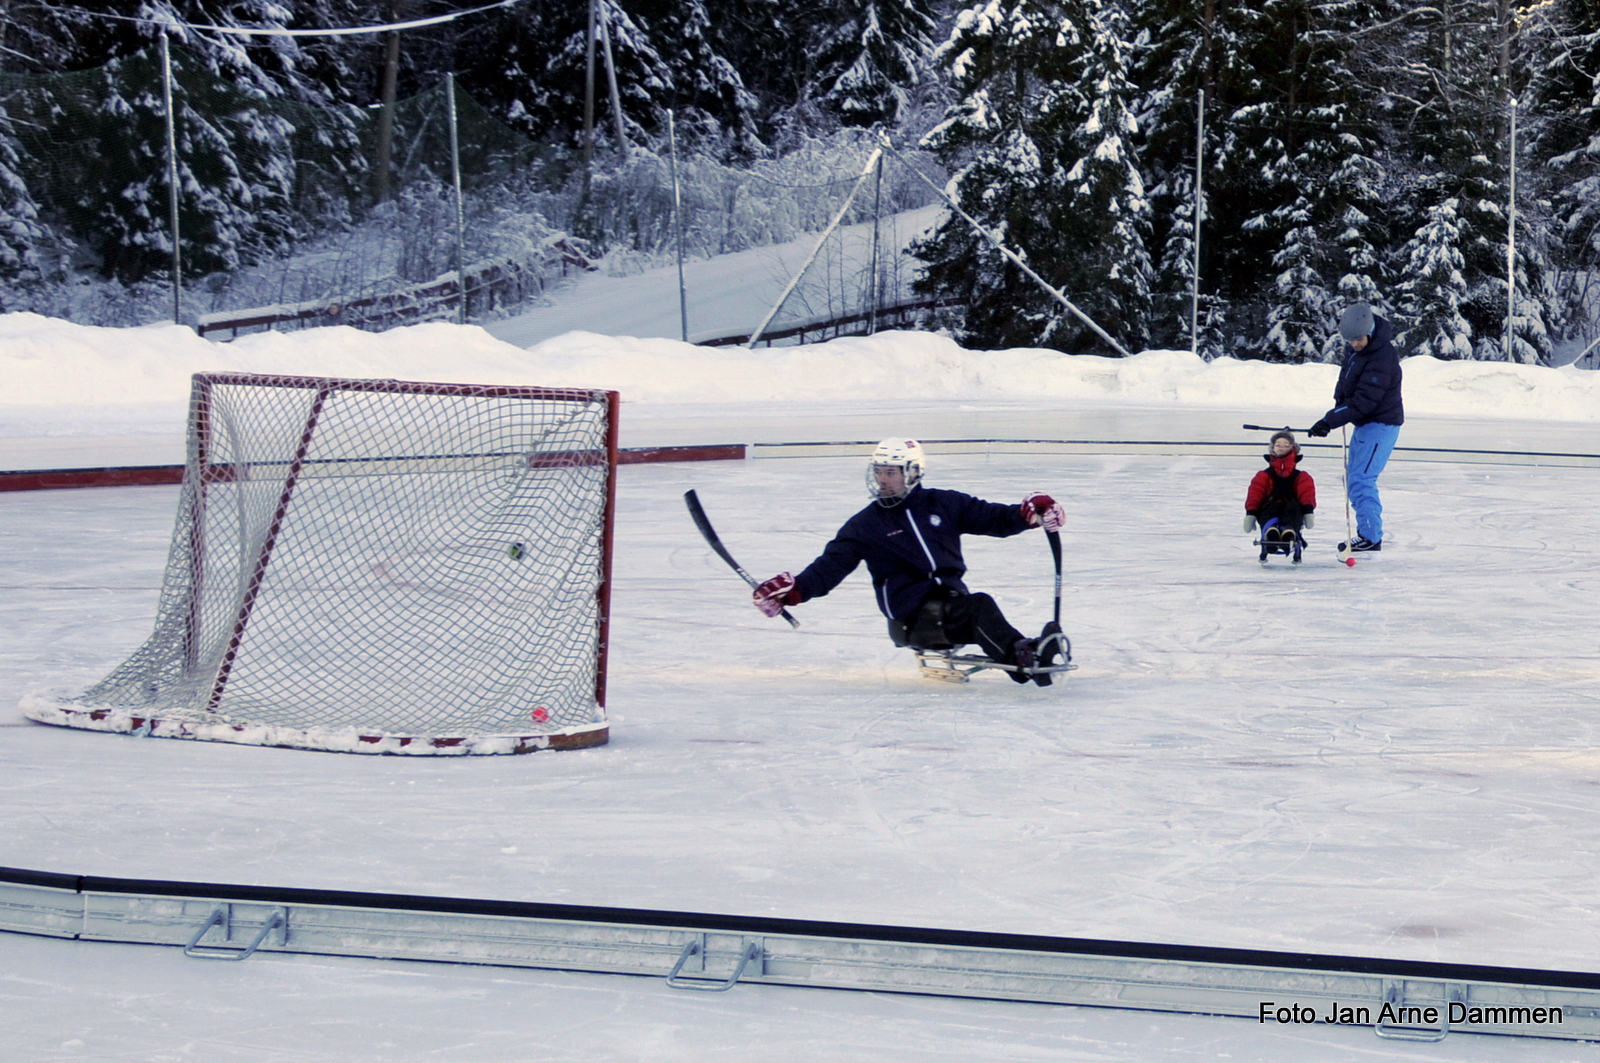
<point x="1356" y="322"/>
<point x="1284" y="433"/>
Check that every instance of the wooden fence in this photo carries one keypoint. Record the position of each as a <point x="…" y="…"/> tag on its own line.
<point x="489" y="286"/>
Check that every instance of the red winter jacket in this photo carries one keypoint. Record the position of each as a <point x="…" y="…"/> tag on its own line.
<point x="1305" y="488"/>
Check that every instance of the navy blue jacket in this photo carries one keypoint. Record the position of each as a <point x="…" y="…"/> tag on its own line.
<point x="1369" y="383"/>
<point x="910" y="548"/>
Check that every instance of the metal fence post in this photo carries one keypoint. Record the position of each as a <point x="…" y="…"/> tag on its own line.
<point x="172" y="179"/>
<point x="455" y="176"/>
<point x="1194" y="280"/>
<point x="677" y="218"/>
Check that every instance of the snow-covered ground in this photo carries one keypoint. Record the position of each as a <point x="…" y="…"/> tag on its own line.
<point x="1393" y="760"/>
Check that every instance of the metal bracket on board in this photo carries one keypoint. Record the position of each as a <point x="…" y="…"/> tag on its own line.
<point x="223" y="917"/>
<point x="1410" y="1021"/>
<point x="697" y="948"/>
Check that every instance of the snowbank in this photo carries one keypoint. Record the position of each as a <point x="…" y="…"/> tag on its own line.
<point x="62" y="378"/>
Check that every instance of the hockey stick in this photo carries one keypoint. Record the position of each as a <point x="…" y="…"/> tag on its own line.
<point x="1273" y="428"/>
<point x="703" y="522"/>
<point x="1349" y="530"/>
<point x="1055" y="552"/>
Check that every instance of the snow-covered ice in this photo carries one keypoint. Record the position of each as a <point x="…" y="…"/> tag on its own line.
<point x="1396" y="760"/>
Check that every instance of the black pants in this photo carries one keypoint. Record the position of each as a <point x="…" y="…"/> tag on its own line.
<point x="945" y="622"/>
<point x="1289" y="514"/>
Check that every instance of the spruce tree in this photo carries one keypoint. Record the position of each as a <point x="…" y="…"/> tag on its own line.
<point x="1110" y="231"/>
<point x="1435" y="288"/>
<point x="20" y="231"/>
<point x="1563" y="148"/>
<point x="1297" y="320"/>
<point x="1454" y="91"/>
<point x="1182" y="49"/>
<point x="868" y="55"/>
<point x="1038" y="143"/>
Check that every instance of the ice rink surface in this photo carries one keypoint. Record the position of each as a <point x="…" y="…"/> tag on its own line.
<point x="1395" y="760"/>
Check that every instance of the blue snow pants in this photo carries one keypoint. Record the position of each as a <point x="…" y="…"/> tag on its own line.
<point x="1370" y="447"/>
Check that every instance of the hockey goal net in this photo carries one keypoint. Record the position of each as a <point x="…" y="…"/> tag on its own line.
<point x="379" y="566"/>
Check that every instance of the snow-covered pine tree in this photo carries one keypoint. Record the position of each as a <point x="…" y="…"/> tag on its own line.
<point x="1179" y="50"/>
<point x="103" y="172"/>
<point x="1451" y="98"/>
<point x="1000" y="57"/>
<point x="1297" y="320"/>
<point x="711" y="104"/>
<point x="20" y="231"/>
<point x="869" y="55"/>
<point x="1358" y="185"/>
<point x="666" y="56"/>
<point x="235" y="174"/>
<point x="1563" y="146"/>
<point x="1281" y="148"/>
<point x="1311" y="150"/>
<point x="1434" y="288"/>
<point x="1109" y="244"/>
<point x="1037" y="143"/>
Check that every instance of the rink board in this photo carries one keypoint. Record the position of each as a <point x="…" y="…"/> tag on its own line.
<point x="1188" y="448"/>
<point x="1400" y="1000"/>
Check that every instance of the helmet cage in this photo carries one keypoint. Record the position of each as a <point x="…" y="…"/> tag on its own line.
<point x="903" y="454"/>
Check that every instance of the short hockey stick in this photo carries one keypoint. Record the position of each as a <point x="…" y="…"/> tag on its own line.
<point x="1273" y="428"/>
<point x="1349" y="530"/>
<point x="703" y="522"/>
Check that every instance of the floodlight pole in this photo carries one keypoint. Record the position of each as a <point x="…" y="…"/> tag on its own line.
<point x="172" y="179"/>
<point x="1511" y="241"/>
<point x="677" y="219"/>
<point x="588" y="99"/>
<point x="1194" y="280"/>
<point x="455" y="178"/>
<point x="877" y="203"/>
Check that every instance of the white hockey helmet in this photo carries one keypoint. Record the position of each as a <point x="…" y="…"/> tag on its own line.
<point x="901" y="453"/>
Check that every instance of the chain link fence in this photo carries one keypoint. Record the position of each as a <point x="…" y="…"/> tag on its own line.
<point x="280" y="224"/>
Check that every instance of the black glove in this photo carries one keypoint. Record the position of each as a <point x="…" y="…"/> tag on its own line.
<point x="1318" y="430"/>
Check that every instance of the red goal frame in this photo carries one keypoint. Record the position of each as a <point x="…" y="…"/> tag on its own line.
<point x="202" y="472"/>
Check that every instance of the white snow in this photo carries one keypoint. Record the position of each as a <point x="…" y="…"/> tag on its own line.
<point x="1394" y="760"/>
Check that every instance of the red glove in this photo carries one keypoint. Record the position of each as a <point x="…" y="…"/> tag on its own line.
<point x="1041" y="508"/>
<point x="774" y="594"/>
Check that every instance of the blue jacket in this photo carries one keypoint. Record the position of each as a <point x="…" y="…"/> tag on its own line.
<point x="1369" y="383"/>
<point x="910" y="548"/>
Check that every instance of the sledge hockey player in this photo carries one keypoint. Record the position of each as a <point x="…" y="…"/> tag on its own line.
<point x="910" y="538"/>
<point x="1281" y="497"/>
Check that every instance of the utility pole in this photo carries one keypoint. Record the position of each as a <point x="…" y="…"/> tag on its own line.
<point x="588" y="101"/>
<point x="611" y="80"/>
<point x="172" y="180"/>
<point x="391" y="75"/>
<point x="1194" y="269"/>
<point x="1511" y="241"/>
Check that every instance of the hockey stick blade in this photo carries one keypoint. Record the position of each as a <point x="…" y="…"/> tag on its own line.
<point x="713" y="540"/>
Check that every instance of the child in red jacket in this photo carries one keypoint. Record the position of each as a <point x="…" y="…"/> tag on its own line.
<point x="1281" y="497"/>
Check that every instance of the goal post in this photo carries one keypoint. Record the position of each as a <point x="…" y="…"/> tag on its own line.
<point x="379" y="566"/>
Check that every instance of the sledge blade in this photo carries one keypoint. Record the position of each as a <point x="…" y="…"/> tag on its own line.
<point x="957" y="667"/>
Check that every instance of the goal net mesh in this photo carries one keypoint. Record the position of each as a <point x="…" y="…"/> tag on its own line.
<point x="384" y="558"/>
